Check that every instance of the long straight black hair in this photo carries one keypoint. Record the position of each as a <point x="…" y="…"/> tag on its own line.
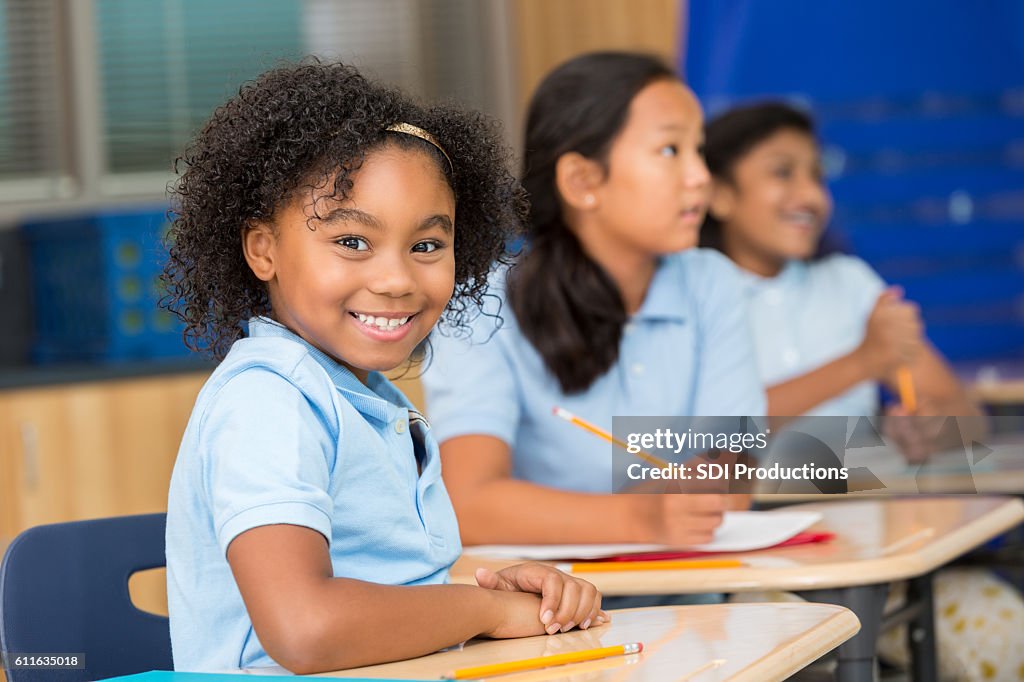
<point x="566" y="305"/>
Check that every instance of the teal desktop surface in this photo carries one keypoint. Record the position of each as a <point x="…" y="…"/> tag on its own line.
<point x="165" y="676"/>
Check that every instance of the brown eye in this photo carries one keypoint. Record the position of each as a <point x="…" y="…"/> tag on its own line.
<point x="354" y="243"/>
<point x="427" y="246"/>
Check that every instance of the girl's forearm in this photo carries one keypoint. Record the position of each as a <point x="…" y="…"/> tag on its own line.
<point x="547" y="515"/>
<point x="351" y="623"/>
<point x="801" y="394"/>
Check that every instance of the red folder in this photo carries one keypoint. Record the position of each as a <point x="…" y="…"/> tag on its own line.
<point x="805" y="538"/>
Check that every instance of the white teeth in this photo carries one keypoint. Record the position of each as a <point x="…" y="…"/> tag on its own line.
<point x="801" y="216"/>
<point x="382" y="322"/>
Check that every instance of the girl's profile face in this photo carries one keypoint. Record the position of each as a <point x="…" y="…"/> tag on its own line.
<point x="777" y="206"/>
<point x="655" y="191"/>
<point x="369" y="280"/>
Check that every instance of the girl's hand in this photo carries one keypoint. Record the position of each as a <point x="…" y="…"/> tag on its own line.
<point x="682" y="519"/>
<point x="894" y="335"/>
<point x="565" y="601"/>
<point x="516" y="616"/>
<point x="917" y="437"/>
<point x="739" y="501"/>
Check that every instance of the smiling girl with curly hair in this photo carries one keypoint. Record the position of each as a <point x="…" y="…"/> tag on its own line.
<point x="307" y="522"/>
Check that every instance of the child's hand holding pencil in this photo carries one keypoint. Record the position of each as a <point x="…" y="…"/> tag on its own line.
<point x="676" y="520"/>
<point x="894" y="337"/>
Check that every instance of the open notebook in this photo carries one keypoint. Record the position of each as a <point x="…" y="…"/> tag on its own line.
<point x="739" y="532"/>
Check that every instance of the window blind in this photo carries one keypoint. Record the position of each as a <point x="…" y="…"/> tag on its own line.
<point x="165" y="65"/>
<point x="30" y="106"/>
<point x="102" y="95"/>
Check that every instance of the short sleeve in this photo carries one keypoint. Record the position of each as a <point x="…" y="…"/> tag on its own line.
<point x="856" y="282"/>
<point x="470" y="383"/>
<point x="728" y="383"/>
<point x="266" y="457"/>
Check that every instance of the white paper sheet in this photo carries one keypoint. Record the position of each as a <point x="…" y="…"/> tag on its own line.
<point x="739" y="532"/>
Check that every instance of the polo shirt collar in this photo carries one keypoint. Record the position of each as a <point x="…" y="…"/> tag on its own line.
<point x="379" y="400"/>
<point x="664" y="299"/>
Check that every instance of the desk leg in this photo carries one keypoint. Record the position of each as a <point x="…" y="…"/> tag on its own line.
<point x="921" y="630"/>
<point x="857" y="656"/>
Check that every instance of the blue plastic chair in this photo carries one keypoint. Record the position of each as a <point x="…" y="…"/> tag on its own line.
<point x="64" y="590"/>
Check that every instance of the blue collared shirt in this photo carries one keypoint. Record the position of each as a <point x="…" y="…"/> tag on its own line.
<point x="686" y="352"/>
<point x="282" y="434"/>
<point x="810" y="314"/>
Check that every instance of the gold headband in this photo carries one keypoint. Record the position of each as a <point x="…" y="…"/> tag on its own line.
<point x="416" y="131"/>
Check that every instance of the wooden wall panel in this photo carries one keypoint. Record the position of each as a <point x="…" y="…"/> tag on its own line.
<point x="547" y="32"/>
<point x="95" y="449"/>
<point x="8" y="522"/>
<point x="89" y="450"/>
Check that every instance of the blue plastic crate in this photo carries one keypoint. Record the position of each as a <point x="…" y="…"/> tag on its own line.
<point x="96" y="288"/>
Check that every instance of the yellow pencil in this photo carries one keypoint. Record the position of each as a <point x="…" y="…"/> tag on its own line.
<point x="908" y="396"/>
<point x="657" y="565"/>
<point x="544" y="661"/>
<point x="601" y="433"/>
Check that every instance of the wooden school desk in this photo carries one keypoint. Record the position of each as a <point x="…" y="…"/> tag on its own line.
<point x="1009" y="392"/>
<point x="705" y="643"/>
<point x="995" y="468"/>
<point x="877" y="541"/>
<point x="998" y="385"/>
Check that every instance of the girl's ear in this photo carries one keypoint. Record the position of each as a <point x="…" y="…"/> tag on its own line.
<point x="723" y="200"/>
<point x="578" y="179"/>
<point x="258" y="246"/>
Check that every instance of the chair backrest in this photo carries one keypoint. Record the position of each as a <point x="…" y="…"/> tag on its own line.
<point x="64" y="590"/>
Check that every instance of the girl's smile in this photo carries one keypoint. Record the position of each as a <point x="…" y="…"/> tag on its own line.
<point x="384" y="326"/>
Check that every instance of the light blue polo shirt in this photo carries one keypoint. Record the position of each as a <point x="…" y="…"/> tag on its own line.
<point x="686" y="352"/>
<point x="810" y="314"/>
<point x="281" y="433"/>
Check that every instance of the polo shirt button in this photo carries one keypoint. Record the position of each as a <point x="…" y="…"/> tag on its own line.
<point x="638" y="368"/>
<point x="628" y="328"/>
<point x="773" y="296"/>
<point x="790" y="357"/>
<point x="400" y="426"/>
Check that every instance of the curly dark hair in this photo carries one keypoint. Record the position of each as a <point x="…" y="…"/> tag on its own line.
<point x="299" y="126"/>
